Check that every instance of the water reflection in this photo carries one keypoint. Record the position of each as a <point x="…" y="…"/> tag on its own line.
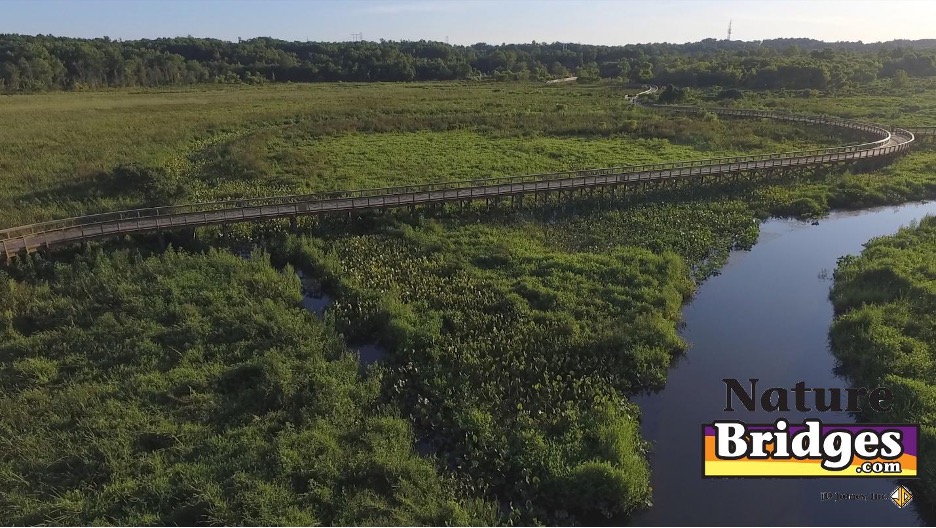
<point x="766" y="316"/>
<point x="369" y="353"/>
<point x="317" y="302"/>
<point x="313" y="298"/>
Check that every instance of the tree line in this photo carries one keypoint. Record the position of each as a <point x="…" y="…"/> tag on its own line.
<point x="36" y="63"/>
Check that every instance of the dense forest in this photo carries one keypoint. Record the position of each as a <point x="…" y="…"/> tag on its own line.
<point x="35" y="63"/>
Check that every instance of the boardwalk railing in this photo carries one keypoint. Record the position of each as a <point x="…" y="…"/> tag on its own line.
<point x="46" y="234"/>
<point x="926" y="134"/>
<point x="821" y="120"/>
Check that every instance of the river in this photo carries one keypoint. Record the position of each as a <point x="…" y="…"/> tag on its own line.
<point x="766" y="316"/>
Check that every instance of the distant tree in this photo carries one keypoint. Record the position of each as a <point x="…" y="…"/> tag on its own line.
<point x="559" y="70"/>
<point x="730" y="93"/>
<point x="901" y="79"/>
<point x="672" y="94"/>
<point x="588" y="73"/>
<point x="645" y="72"/>
<point x="609" y="69"/>
<point x="540" y="73"/>
<point x="50" y="63"/>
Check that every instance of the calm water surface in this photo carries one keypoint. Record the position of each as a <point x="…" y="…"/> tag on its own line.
<point x="317" y="303"/>
<point x="766" y="316"/>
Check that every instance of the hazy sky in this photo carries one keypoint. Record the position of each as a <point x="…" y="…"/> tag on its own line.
<point x="471" y="21"/>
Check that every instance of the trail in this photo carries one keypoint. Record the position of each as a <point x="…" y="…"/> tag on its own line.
<point x="884" y="144"/>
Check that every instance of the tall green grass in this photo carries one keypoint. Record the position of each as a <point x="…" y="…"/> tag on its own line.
<point x="884" y="333"/>
<point x="66" y="154"/>
<point x="193" y="389"/>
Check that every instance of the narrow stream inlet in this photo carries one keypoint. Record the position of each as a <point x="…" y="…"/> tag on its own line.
<point x="766" y="316"/>
<point x="317" y="302"/>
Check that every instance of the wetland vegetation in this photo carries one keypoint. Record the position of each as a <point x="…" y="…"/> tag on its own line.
<point x="189" y="386"/>
<point x="885" y="331"/>
<point x="71" y="154"/>
<point x="185" y="389"/>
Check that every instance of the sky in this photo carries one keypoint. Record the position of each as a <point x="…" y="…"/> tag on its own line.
<point x="608" y="22"/>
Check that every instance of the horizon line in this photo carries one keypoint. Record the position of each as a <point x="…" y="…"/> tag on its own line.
<point x="533" y="42"/>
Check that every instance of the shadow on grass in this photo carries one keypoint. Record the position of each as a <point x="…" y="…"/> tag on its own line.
<point x="137" y="184"/>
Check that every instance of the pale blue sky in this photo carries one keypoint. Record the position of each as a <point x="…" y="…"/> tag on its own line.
<point x="470" y="21"/>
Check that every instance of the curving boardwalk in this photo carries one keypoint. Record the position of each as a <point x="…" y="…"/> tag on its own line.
<point x="927" y="134"/>
<point x="884" y="143"/>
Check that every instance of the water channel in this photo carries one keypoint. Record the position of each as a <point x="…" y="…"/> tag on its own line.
<point x="766" y="316"/>
<point x="317" y="302"/>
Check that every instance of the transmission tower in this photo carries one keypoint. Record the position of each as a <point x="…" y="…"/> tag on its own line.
<point x="729" y="29"/>
<point x="357" y="37"/>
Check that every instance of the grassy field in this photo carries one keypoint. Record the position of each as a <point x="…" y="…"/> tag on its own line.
<point x="878" y="102"/>
<point x="72" y="153"/>
<point x="513" y="334"/>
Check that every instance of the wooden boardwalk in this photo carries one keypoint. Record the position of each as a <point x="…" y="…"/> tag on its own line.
<point x="884" y="143"/>
<point x="923" y="134"/>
